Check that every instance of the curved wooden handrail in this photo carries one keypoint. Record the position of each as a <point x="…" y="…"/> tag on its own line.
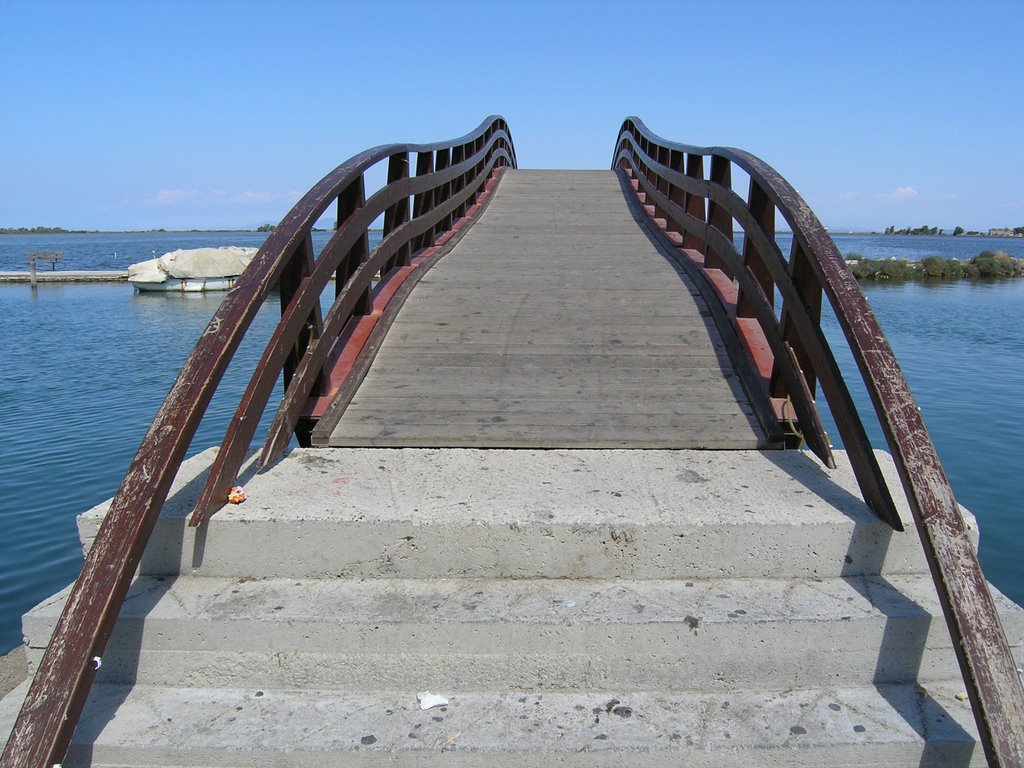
<point x="450" y="177"/>
<point x="697" y="215"/>
<point x="351" y="298"/>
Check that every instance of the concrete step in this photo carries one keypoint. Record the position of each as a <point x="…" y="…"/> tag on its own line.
<point x="578" y="607"/>
<point x="711" y="635"/>
<point x="413" y="513"/>
<point x="248" y="726"/>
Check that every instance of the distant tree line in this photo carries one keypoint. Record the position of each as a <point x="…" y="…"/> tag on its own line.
<point x="926" y="230"/>
<point x="985" y="264"/>
<point x="40" y="231"/>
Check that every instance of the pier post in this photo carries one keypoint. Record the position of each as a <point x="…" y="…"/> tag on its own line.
<point x="52" y="256"/>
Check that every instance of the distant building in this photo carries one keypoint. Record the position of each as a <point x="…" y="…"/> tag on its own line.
<point x="1005" y="232"/>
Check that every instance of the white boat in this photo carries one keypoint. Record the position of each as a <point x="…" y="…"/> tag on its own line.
<point x="191" y="271"/>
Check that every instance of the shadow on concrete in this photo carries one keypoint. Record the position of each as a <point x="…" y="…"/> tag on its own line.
<point x="171" y="549"/>
<point x="901" y="658"/>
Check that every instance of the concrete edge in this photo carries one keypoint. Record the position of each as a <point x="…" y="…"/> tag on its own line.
<point x="13" y="670"/>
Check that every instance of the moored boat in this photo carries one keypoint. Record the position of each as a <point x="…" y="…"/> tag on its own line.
<point x="191" y="270"/>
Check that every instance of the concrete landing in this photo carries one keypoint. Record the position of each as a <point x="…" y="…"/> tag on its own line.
<point x="432" y="513"/>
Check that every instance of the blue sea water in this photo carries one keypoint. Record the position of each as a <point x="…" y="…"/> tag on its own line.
<point x="85" y="368"/>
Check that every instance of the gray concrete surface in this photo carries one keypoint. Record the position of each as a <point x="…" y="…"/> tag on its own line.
<point x="13" y="669"/>
<point x="422" y="513"/>
<point x="576" y="607"/>
<point x="806" y="729"/>
<point x="551" y="633"/>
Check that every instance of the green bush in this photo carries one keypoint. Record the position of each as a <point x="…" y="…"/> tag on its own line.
<point x="895" y="269"/>
<point x="934" y="266"/>
<point x="994" y="264"/>
<point x="985" y="264"/>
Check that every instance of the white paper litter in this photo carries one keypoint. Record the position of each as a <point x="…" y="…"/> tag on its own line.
<point x="429" y="700"/>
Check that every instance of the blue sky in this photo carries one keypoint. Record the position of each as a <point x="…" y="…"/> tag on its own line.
<point x="188" y="114"/>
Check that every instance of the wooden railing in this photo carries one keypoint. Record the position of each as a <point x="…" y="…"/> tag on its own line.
<point x="450" y="181"/>
<point x="775" y="306"/>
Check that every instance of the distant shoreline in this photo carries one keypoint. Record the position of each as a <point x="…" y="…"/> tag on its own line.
<point x="58" y="231"/>
<point x="987" y="264"/>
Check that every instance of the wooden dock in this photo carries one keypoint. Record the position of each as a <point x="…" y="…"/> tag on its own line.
<point x="556" y="322"/>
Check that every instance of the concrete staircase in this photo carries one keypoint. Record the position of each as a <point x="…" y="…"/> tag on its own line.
<point x="574" y="607"/>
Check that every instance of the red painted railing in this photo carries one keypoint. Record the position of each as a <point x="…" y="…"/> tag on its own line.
<point x="449" y="182"/>
<point x="775" y="307"/>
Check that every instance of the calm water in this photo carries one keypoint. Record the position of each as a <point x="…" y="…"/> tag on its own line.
<point x="86" y="367"/>
<point x="961" y="347"/>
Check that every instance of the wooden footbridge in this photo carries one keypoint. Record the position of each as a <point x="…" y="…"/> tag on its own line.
<point x="557" y="322"/>
<point x="548" y="320"/>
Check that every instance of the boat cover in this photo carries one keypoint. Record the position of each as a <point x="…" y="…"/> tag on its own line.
<point x="193" y="263"/>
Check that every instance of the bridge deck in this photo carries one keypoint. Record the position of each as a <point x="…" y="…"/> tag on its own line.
<point x="556" y="321"/>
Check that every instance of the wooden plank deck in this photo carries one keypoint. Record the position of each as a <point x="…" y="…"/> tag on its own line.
<point x="555" y="322"/>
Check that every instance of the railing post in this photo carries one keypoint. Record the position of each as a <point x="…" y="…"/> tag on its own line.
<point x="661" y="183"/>
<point x="677" y="162"/>
<point x="809" y="288"/>
<point x="718" y="216"/>
<point x="695" y="205"/>
<point x="442" y="162"/>
<point x="398" y="214"/>
<point x="763" y="211"/>
<point x="298" y="268"/>
<point x="351" y="199"/>
<point x="423" y="202"/>
<point x="458" y="155"/>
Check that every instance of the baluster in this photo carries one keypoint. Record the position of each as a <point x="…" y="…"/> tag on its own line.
<point x="423" y="202"/>
<point x="398" y="214"/>
<point x="696" y="205"/>
<point x="764" y="213"/>
<point x="660" y="183"/>
<point x="663" y="159"/>
<point x="809" y="288"/>
<point x="718" y="216"/>
<point x="458" y="155"/>
<point x="676" y="161"/>
<point x="443" y="162"/>
<point x="299" y="266"/>
<point x="351" y="199"/>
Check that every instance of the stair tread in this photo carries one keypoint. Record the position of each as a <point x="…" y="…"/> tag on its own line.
<point x="561" y="602"/>
<point x="286" y="727"/>
<point x="543" y="634"/>
<point x="558" y="486"/>
<point x="421" y="513"/>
